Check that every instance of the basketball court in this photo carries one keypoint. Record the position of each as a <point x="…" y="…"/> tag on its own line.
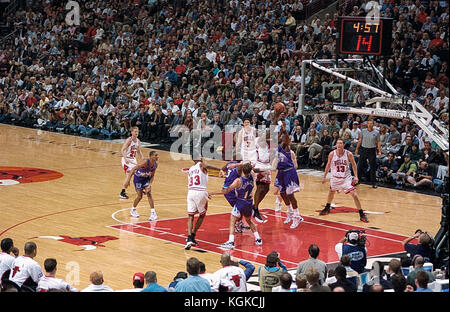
<point x="62" y="192"/>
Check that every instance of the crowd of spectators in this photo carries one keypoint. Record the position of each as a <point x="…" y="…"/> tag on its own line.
<point x="24" y="274"/>
<point x="204" y="64"/>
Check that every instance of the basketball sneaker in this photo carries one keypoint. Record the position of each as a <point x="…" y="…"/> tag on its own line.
<point x="153" y="216"/>
<point x="296" y="222"/>
<point x="194" y="242"/>
<point x="324" y="211"/>
<point x="257" y="216"/>
<point x="189" y="243"/>
<point x="278" y="207"/>
<point x="227" y="245"/>
<point x="363" y="217"/>
<point x="123" y="195"/>
<point x="258" y="241"/>
<point x="134" y="213"/>
<point x="288" y="218"/>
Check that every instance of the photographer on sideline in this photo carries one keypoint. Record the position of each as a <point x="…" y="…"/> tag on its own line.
<point x="354" y="246"/>
<point x="423" y="248"/>
<point x="269" y="275"/>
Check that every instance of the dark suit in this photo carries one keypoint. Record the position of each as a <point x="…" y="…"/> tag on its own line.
<point x="143" y="126"/>
<point x="346" y="284"/>
<point x="167" y="124"/>
<point x="156" y="130"/>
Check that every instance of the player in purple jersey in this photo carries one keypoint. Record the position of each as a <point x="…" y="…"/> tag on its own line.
<point x="287" y="179"/>
<point x="144" y="174"/>
<point x="231" y="171"/>
<point x="242" y="186"/>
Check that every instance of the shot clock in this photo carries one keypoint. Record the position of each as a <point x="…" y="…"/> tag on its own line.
<point x="366" y="36"/>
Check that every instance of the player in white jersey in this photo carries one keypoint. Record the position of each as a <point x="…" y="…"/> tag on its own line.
<point x="246" y="142"/>
<point x="26" y="271"/>
<point x="197" y="198"/>
<point x="341" y="178"/>
<point x="262" y="167"/>
<point x="229" y="278"/>
<point x="130" y="148"/>
<point x="6" y="260"/>
<point x="50" y="282"/>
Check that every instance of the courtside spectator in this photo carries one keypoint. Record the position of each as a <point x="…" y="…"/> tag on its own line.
<point x="49" y="282"/>
<point x="194" y="283"/>
<point x="26" y="272"/>
<point x="6" y="259"/>
<point x="321" y="266"/>
<point x="138" y="283"/>
<point x="97" y="283"/>
<point x="269" y="275"/>
<point x="151" y="283"/>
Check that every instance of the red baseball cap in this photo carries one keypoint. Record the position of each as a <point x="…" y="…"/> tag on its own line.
<point x="138" y="277"/>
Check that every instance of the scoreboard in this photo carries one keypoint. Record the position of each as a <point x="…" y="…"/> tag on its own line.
<point x="366" y="36"/>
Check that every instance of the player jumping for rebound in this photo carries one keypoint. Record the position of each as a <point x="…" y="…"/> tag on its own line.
<point x="144" y="173"/>
<point x="263" y="178"/>
<point x="130" y="148"/>
<point x="341" y="177"/>
<point x="287" y="179"/>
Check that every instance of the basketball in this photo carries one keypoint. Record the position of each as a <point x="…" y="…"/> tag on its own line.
<point x="279" y="108"/>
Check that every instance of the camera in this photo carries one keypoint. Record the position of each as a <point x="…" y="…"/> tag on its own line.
<point x="356" y="237"/>
<point x="429" y="242"/>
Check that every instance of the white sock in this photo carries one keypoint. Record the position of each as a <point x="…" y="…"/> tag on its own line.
<point x="289" y="209"/>
<point x="133" y="208"/>
<point x="295" y="212"/>
<point x="152" y="210"/>
<point x="256" y="235"/>
<point x="231" y="238"/>
<point x="277" y="201"/>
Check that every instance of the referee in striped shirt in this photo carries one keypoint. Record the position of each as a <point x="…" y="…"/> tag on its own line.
<point x="369" y="146"/>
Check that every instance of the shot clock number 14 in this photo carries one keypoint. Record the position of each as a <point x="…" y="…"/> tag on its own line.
<point x="358" y="35"/>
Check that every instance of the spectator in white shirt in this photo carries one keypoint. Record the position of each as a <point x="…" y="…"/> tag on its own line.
<point x="97" y="283"/>
<point x="6" y="260"/>
<point x="264" y="112"/>
<point x="442" y="97"/>
<point x="229" y="278"/>
<point x="296" y="76"/>
<point x="278" y="83"/>
<point x="62" y="103"/>
<point x="431" y="88"/>
<point x="211" y="55"/>
<point x="356" y="132"/>
<point x="26" y="271"/>
<point x="50" y="282"/>
<point x="107" y="108"/>
<point x="208" y="276"/>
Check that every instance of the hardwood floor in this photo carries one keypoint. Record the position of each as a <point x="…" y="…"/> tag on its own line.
<point x="67" y="213"/>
